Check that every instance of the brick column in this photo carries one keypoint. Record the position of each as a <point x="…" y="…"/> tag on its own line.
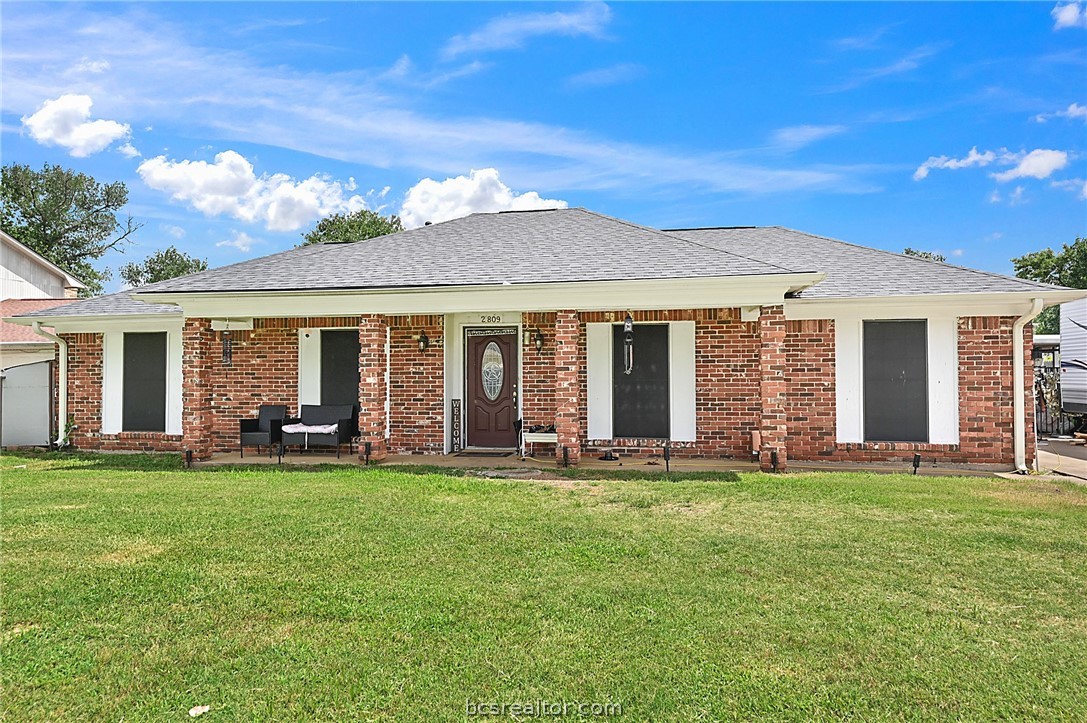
<point x="197" y="345"/>
<point x="567" y="385"/>
<point x="372" y="390"/>
<point x="772" y="386"/>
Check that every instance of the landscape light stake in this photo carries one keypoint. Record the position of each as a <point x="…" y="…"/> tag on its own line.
<point x="774" y="459"/>
<point x="565" y="456"/>
<point x="916" y="462"/>
<point x="667" y="458"/>
<point x="368" y="447"/>
<point x="188" y="459"/>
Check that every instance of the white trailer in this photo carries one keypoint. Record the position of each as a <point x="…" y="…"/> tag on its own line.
<point x="1074" y="356"/>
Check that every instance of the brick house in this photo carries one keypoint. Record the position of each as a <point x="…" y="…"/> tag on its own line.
<point x="724" y="343"/>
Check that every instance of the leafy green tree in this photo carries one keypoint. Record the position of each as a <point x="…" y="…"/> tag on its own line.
<point x="1067" y="267"/>
<point x="930" y="255"/>
<point x="164" y="264"/>
<point x="67" y="217"/>
<point x="346" y="227"/>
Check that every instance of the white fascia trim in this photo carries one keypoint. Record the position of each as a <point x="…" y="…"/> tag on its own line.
<point x="691" y="293"/>
<point x="926" y="306"/>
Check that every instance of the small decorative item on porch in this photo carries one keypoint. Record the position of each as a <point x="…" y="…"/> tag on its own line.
<point x="228" y="347"/>
<point x="628" y="344"/>
<point x="455" y="432"/>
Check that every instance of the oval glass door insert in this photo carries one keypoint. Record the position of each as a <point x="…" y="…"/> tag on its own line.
<point x="492" y="370"/>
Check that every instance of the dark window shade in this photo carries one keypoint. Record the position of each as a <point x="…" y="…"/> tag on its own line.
<point x="640" y="399"/>
<point x="896" y="381"/>
<point x="143" y="407"/>
<point x="340" y="367"/>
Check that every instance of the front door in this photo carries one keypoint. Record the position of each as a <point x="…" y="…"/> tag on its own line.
<point x="492" y="387"/>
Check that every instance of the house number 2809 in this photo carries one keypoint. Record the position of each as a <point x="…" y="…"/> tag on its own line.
<point x="490" y="318"/>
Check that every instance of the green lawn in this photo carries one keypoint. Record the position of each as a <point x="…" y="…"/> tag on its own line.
<point x="135" y="590"/>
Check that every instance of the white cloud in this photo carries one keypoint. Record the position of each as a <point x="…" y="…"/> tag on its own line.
<point x="1077" y="185"/>
<point x="1015" y="198"/>
<point x="481" y="191"/>
<point x="995" y="197"/>
<point x="93" y="67"/>
<point x="1069" y="15"/>
<point x="241" y="241"/>
<point x="973" y="158"/>
<point x="1039" y="163"/>
<point x="1073" y="112"/>
<point x="65" y="121"/>
<point x="612" y="75"/>
<point x="794" y="137"/>
<point x="229" y="186"/>
<point x="511" y="31"/>
<point x="128" y="151"/>
<point x="958" y="252"/>
<point x="175" y="231"/>
<point x="360" y="118"/>
<point x="907" y="63"/>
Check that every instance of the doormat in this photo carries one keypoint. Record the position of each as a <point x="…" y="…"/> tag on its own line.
<point x="481" y="453"/>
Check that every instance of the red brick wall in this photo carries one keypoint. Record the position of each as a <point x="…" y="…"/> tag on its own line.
<point x="569" y="385"/>
<point x="538" y="370"/>
<point x="417" y="384"/>
<point x="85" y="403"/>
<point x="727" y="393"/>
<point x="773" y="369"/>
<point x="264" y="370"/>
<point x="810" y="399"/>
<point x="986" y="419"/>
<point x="372" y="390"/>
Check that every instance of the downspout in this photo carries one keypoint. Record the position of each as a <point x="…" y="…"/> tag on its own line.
<point x="1019" y="427"/>
<point x="62" y="383"/>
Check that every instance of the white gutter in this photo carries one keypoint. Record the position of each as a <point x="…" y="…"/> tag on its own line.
<point x="62" y="383"/>
<point x="1018" y="390"/>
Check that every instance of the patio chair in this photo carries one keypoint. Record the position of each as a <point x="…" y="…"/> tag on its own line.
<point x="321" y="415"/>
<point x="265" y="430"/>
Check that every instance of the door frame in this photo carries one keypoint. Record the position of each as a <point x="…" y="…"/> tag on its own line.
<point x="466" y="367"/>
<point x="456" y="374"/>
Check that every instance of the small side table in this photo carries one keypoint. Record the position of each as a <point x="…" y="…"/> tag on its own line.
<point x="528" y="438"/>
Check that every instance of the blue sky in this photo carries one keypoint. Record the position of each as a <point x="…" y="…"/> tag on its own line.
<point x="959" y="128"/>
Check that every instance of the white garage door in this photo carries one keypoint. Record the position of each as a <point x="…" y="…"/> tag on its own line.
<point x="25" y="419"/>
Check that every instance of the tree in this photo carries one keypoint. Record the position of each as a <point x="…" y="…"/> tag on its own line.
<point x="346" y="227"/>
<point x="930" y="255"/>
<point x="164" y="264"/>
<point x="1067" y="267"/>
<point x="67" y="217"/>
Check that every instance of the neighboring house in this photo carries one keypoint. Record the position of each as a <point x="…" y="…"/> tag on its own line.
<point x="1073" y="358"/>
<point x="764" y="340"/>
<point x="28" y="282"/>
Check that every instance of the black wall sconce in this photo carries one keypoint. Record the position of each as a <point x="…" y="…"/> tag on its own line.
<point x="538" y="340"/>
<point x="628" y="344"/>
<point x="424" y="341"/>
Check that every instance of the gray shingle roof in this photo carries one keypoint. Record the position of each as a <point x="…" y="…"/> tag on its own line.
<point x="558" y="245"/>
<point x="118" y="304"/>
<point x="855" y="271"/>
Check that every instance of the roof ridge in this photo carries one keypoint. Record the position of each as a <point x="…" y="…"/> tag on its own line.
<point x="990" y="274"/>
<point x="685" y="240"/>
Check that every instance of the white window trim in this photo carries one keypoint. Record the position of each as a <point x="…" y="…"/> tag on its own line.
<point x="682" y="395"/>
<point x="943" y="377"/>
<point x="113" y="377"/>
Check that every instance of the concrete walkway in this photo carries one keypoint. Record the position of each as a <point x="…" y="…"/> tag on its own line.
<point x="1063" y="458"/>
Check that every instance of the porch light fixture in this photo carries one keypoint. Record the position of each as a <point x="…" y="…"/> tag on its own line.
<point x="424" y="341"/>
<point x="538" y="340"/>
<point x="628" y="344"/>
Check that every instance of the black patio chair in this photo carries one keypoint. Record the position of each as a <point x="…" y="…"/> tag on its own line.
<point x="266" y="429"/>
